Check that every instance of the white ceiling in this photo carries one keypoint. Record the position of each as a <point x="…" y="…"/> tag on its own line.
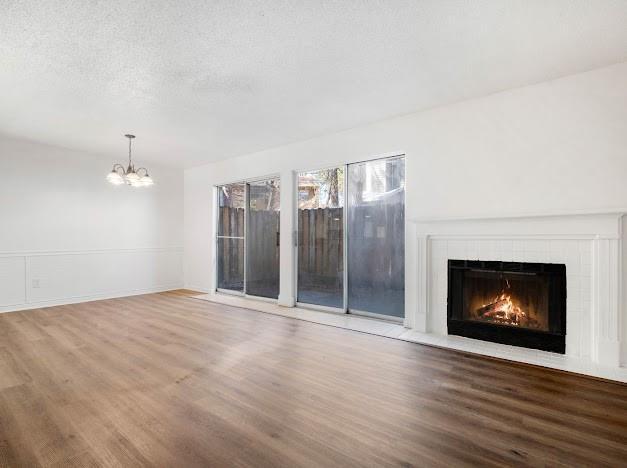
<point x="199" y="81"/>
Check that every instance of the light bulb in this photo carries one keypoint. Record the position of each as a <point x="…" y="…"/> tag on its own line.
<point x="115" y="178"/>
<point x="146" y="181"/>
<point x="131" y="178"/>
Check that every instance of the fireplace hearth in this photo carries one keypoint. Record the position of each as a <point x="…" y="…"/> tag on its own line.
<point x="515" y="303"/>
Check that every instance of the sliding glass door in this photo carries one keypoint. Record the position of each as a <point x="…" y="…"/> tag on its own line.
<point x="230" y="242"/>
<point x="247" y="244"/>
<point x="351" y="238"/>
<point x="376" y="237"/>
<point x="321" y="238"/>
<point x="262" y="238"/>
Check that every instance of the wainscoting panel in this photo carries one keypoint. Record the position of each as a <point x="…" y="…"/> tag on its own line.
<point x="37" y="279"/>
<point x="12" y="287"/>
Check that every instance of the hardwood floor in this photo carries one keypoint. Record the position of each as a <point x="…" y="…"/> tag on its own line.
<point x="167" y="380"/>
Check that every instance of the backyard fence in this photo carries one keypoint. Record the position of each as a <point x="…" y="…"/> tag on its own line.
<point x="376" y="247"/>
<point x="321" y="246"/>
<point x="262" y="244"/>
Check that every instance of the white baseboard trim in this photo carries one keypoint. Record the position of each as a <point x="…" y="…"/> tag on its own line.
<point x="90" y="298"/>
<point x="194" y="287"/>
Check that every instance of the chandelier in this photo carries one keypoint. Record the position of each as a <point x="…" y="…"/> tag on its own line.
<point x="130" y="176"/>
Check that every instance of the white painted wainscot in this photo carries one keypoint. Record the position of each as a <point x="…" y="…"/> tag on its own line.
<point x="588" y="244"/>
<point x="30" y="280"/>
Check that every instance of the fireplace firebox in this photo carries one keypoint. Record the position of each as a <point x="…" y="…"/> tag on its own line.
<point x="515" y="303"/>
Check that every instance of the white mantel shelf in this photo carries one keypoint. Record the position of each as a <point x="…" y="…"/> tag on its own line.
<point x="544" y="214"/>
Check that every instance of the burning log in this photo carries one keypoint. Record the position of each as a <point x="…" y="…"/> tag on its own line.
<point x="503" y="311"/>
<point x="498" y="308"/>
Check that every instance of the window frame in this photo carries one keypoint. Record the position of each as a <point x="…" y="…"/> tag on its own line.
<point x="345" y="309"/>
<point x="306" y="305"/>
<point x="216" y="236"/>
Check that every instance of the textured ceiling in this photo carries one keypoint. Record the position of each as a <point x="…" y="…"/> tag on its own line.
<point x="199" y="81"/>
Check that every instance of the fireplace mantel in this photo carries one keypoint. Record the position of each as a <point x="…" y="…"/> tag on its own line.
<point x="588" y="243"/>
<point x="545" y="214"/>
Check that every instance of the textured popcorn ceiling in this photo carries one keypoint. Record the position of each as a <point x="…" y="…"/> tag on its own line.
<point x="199" y="81"/>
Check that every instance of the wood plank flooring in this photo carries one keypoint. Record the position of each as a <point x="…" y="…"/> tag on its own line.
<point x="167" y="380"/>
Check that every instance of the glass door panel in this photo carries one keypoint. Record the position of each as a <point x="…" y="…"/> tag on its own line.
<point x="262" y="238"/>
<point x="321" y="237"/>
<point x="376" y="237"/>
<point x="230" y="239"/>
<point x="231" y="264"/>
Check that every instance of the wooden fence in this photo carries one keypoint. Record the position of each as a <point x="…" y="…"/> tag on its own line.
<point x="321" y="247"/>
<point x="262" y="254"/>
<point x="262" y="276"/>
<point x="376" y="247"/>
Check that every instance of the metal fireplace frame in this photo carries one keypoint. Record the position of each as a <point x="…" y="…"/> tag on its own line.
<point x="553" y="340"/>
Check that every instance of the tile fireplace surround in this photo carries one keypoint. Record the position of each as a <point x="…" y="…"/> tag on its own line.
<point x="590" y="245"/>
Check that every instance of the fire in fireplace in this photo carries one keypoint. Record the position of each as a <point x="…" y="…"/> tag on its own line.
<point x="509" y="299"/>
<point x="516" y="303"/>
<point x="503" y="310"/>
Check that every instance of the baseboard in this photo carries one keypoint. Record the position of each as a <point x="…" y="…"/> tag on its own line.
<point x="90" y="298"/>
<point x="194" y="287"/>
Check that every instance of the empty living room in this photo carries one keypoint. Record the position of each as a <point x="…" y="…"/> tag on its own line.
<point x="313" y="233"/>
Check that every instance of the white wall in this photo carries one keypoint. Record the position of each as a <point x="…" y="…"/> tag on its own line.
<point x="68" y="235"/>
<point x="558" y="146"/>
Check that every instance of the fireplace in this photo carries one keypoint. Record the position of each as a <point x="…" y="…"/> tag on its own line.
<point x="515" y="303"/>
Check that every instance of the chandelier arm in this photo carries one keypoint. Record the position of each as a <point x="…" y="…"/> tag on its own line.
<point x="117" y="167"/>
<point x="142" y="169"/>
